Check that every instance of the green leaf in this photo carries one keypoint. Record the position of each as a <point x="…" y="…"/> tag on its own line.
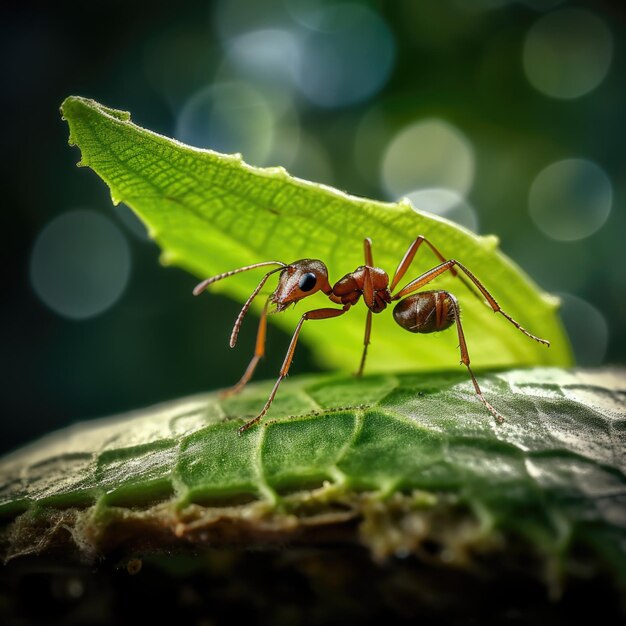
<point x="419" y="459"/>
<point x="211" y="213"/>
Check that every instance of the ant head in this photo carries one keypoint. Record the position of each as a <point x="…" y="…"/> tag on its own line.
<point x="299" y="280"/>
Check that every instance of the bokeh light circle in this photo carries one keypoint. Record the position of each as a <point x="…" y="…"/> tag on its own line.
<point x="445" y="203"/>
<point x="271" y="54"/>
<point x="428" y="154"/>
<point x="229" y="117"/>
<point x="567" y="53"/>
<point x="80" y="264"/>
<point x="347" y="59"/>
<point x="570" y="199"/>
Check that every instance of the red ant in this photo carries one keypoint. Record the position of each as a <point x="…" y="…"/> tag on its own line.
<point x="423" y="312"/>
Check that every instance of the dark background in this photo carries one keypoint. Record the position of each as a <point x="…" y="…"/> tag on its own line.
<point x="322" y="88"/>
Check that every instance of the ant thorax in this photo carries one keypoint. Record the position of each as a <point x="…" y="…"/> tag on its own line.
<point x="370" y="282"/>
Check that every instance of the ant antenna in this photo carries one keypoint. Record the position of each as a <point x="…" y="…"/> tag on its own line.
<point x="246" y="306"/>
<point x="209" y="281"/>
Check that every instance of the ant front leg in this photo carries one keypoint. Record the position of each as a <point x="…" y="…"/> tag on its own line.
<point x="259" y="352"/>
<point x="316" y="314"/>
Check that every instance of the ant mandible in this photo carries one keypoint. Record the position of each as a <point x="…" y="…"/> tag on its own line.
<point x="423" y="312"/>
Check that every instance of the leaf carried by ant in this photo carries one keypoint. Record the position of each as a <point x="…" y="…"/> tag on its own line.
<point x="211" y="212"/>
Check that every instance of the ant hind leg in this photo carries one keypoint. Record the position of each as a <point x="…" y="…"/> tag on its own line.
<point x="465" y="360"/>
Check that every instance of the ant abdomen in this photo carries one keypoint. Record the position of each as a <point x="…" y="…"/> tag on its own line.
<point x="426" y="311"/>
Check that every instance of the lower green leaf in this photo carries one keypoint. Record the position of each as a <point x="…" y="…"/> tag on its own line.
<point x="410" y="461"/>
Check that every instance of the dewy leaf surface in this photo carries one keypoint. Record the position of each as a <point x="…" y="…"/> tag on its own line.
<point x="211" y="213"/>
<point x="554" y="474"/>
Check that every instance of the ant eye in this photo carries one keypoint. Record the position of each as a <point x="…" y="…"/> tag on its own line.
<point x="307" y="282"/>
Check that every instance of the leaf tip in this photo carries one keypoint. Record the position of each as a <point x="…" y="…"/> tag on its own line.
<point x="66" y="107"/>
<point x="74" y="107"/>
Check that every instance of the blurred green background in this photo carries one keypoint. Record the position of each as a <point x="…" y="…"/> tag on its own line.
<point x="505" y="116"/>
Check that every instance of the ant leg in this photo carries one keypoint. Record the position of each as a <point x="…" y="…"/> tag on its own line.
<point x="409" y="255"/>
<point x="259" y="351"/>
<point x="367" y="249"/>
<point x="368" y="296"/>
<point x="430" y="275"/>
<point x="465" y="360"/>
<point x="366" y="341"/>
<point x="316" y="314"/>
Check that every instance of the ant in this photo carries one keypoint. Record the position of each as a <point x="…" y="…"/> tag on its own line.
<point x="422" y="312"/>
